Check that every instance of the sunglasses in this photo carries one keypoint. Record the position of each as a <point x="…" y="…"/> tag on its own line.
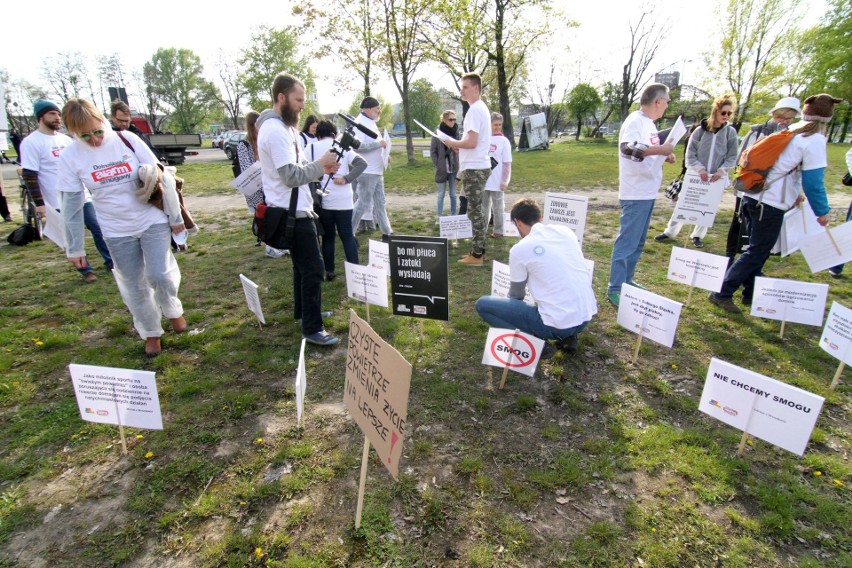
<point x="86" y="136"/>
<point x="726" y="112"/>
<point x="451" y="120"/>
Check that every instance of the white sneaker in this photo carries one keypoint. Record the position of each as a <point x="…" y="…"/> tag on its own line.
<point x="275" y="253"/>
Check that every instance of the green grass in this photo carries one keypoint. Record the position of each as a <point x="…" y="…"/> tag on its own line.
<point x="592" y="462"/>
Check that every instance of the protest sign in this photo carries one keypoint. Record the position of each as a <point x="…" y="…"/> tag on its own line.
<point x="649" y="315"/>
<point x="54" y="227"/>
<point x="762" y="407"/>
<point x="125" y="397"/>
<point x="567" y="210"/>
<point x="456" y="227"/>
<point x="697" y="269"/>
<point x="698" y="200"/>
<point x="248" y="182"/>
<point x="512" y="349"/>
<point x="420" y="285"/>
<point x="828" y="248"/>
<point x="386" y="151"/>
<point x="252" y="298"/>
<point x="509" y="228"/>
<point x="379" y="256"/>
<point x="500" y="281"/>
<point x="789" y="300"/>
<point x="799" y="222"/>
<point x="366" y="284"/>
<point x="676" y="133"/>
<point x="301" y="384"/>
<point x="375" y="391"/>
<point x="837" y="334"/>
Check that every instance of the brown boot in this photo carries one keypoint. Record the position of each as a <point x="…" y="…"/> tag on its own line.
<point x="152" y="347"/>
<point x="178" y="324"/>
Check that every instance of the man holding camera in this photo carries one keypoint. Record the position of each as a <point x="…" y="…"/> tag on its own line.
<point x="285" y="173"/>
<point x="371" y="184"/>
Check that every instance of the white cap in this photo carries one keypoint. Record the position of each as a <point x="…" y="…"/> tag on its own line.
<point x="791" y="103"/>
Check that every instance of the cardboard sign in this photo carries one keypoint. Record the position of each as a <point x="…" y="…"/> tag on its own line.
<point x="648" y="314"/>
<point x="799" y="222"/>
<point x="698" y="200"/>
<point x="366" y="284"/>
<point x="515" y="350"/>
<point x="419" y="275"/>
<point x="500" y="281"/>
<point x="567" y="210"/>
<point x="837" y="334"/>
<point x="124" y="397"/>
<point x="375" y="391"/>
<point x="789" y="300"/>
<point x="773" y="411"/>
<point x="252" y="298"/>
<point x="379" y="256"/>
<point x="699" y="269"/>
<point x="301" y="384"/>
<point x="54" y="227"/>
<point x="509" y="228"/>
<point x="829" y="248"/>
<point x="249" y="181"/>
<point x="456" y="227"/>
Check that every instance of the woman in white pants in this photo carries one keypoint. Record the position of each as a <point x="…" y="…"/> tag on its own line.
<point x="711" y="152"/>
<point x="137" y="234"/>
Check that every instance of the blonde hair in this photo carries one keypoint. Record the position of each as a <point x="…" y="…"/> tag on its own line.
<point x="728" y="99"/>
<point x="447" y="114"/>
<point x="78" y="114"/>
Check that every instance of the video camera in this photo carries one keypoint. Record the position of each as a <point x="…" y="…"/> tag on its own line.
<point x="346" y="140"/>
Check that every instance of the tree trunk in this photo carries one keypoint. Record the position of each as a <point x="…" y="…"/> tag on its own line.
<point x="502" y="79"/>
<point x="406" y="119"/>
<point x="579" y="125"/>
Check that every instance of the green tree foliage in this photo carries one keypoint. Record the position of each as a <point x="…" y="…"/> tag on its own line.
<point x="177" y="79"/>
<point x="424" y="103"/>
<point x="385" y="119"/>
<point x="456" y="39"/>
<point x="272" y="51"/>
<point x="583" y="101"/>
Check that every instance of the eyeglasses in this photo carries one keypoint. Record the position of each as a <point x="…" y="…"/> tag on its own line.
<point x="726" y="112"/>
<point x="451" y="120"/>
<point x="86" y="136"/>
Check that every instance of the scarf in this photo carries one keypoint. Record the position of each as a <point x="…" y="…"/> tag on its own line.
<point x="449" y="130"/>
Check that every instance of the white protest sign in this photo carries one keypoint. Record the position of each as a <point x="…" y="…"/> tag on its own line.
<point x="456" y="227"/>
<point x="387" y="149"/>
<point x="698" y="200"/>
<point x="789" y="300"/>
<point x="252" y="298"/>
<point x="567" y="210"/>
<point x="54" y="227"/>
<point x="676" y="133"/>
<point x="366" y="284"/>
<point x="511" y="349"/>
<point x="248" y="182"/>
<point x="799" y="222"/>
<point x="375" y="391"/>
<point x="301" y="384"/>
<point x="773" y="411"/>
<point x="125" y="397"/>
<point x="590" y="266"/>
<point x="699" y="269"/>
<point x="509" y="228"/>
<point x="648" y="314"/>
<point x="837" y="334"/>
<point x="829" y="248"/>
<point x="501" y="280"/>
<point x="379" y="256"/>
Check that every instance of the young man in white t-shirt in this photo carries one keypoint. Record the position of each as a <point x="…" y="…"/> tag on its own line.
<point x="474" y="165"/>
<point x="640" y="174"/>
<point x="500" y="154"/>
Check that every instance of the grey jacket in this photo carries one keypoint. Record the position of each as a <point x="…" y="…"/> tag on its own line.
<point x="439" y="154"/>
<point x="712" y="151"/>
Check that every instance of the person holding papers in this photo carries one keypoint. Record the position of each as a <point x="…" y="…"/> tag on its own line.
<point x="711" y="152"/>
<point x="801" y="166"/>
<point x="547" y="261"/>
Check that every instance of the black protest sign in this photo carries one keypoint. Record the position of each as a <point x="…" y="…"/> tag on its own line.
<point x="419" y="277"/>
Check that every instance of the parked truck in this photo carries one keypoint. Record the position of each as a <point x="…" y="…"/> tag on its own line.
<point x="170" y="148"/>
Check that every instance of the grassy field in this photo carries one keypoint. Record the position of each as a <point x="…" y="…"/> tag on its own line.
<point x="592" y="462"/>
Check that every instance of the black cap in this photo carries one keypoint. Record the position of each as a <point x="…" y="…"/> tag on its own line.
<point x="369" y="102"/>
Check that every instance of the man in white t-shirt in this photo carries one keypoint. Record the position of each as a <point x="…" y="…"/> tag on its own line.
<point x="371" y="184"/>
<point x="474" y="165"/>
<point x="549" y="263"/>
<point x="40" y="167"/>
<point x="640" y="174"/>
<point x="284" y="169"/>
<point x="500" y="154"/>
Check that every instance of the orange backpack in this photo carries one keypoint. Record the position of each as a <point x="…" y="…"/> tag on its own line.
<point x="756" y="162"/>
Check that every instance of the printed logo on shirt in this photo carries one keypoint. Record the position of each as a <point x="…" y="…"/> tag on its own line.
<point x="492" y="149"/>
<point x="112" y="173"/>
<point x="55" y="151"/>
<point x="655" y="139"/>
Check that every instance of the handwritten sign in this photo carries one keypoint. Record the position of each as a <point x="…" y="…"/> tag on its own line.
<point x="515" y="350"/>
<point x="762" y="407"/>
<point x="567" y="210"/>
<point x="649" y="315"/>
<point x="252" y="298"/>
<point x="366" y="284"/>
<point x="836" y="337"/>
<point x="456" y="227"/>
<point x="379" y="256"/>
<point x="375" y="391"/>
<point x="419" y="276"/>
<point x="826" y="249"/>
<point x="249" y="181"/>
<point x="789" y="300"/>
<point x="698" y="200"/>
<point x="125" y="397"/>
<point x="699" y="269"/>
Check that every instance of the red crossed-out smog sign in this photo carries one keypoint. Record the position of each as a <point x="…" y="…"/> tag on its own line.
<point x="513" y="350"/>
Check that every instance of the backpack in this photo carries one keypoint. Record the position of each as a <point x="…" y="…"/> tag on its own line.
<point x="23" y="235"/>
<point x="756" y="162"/>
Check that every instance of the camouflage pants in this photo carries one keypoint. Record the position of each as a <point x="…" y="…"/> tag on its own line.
<point x="474" y="185"/>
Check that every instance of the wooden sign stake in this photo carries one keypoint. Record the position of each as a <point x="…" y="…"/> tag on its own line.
<point x="783" y="323"/>
<point x="365" y="455"/>
<point x="743" y="441"/>
<point x="506" y="368"/>
<point x="831" y="238"/>
<point x="636" y="349"/>
<point x="836" y="379"/>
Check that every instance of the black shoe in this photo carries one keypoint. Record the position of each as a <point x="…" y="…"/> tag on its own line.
<point x="568" y="345"/>
<point x="725" y="303"/>
<point x="746" y="301"/>
<point x="329" y="276"/>
<point x="548" y="351"/>
<point x="662" y="237"/>
<point x="385" y="238"/>
<point x="698" y="243"/>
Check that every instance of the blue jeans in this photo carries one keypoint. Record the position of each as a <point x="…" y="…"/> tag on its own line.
<point x="635" y="221"/>
<point x="839" y="268"/>
<point x="509" y="313"/>
<point x="340" y="222"/>
<point x="451" y="183"/>
<point x="764" y="225"/>
<point x="307" y="276"/>
<point x="90" y="219"/>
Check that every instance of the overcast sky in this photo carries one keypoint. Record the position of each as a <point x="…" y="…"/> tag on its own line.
<point x="593" y="52"/>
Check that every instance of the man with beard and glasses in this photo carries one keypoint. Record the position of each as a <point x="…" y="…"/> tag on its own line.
<point x="284" y="169"/>
<point x="40" y="162"/>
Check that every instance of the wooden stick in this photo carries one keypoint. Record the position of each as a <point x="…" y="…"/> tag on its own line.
<point x="837" y="376"/>
<point x="503" y="378"/>
<point x="366" y="301"/>
<point x="783" y="322"/>
<point x="365" y="455"/>
<point x="831" y="238"/>
<point x="688" y="296"/>
<point x="123" y="440"/>
<point x="743" y="441"/>
<point x="636" y="350"/>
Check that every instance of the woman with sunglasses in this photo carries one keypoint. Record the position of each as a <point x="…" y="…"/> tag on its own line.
<point x="711" y="152"/>
<point x="446" y="162"/>
<point x="137" y="233"/>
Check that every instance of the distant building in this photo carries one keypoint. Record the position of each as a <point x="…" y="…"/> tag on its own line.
<point x="670" y="80"/>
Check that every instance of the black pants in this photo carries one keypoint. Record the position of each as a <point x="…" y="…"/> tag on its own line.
<point x="307" y="276"/>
